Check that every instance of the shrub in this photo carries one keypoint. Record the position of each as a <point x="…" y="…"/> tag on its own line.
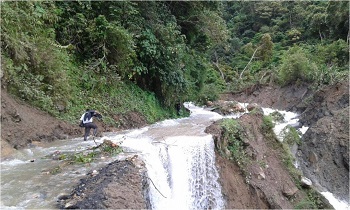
<point x="233" y="133"/>
<point x="277" y="116"/>
<point x="295" y="66"/>
<point x="267" y="124"/>
<point x="291" y="136"/>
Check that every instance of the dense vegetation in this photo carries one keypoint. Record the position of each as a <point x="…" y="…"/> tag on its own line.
<point x="121" y="56"/>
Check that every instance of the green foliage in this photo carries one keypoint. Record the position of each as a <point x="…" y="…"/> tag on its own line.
<point x="313" y="200"/>
<point x="265" y="52"/>
<point x="35" y="68"/>
<point x="111" y="150"/>
<point x="123" y="56"/>
<point x="277" y="116"/>
<point x="323" y="64"/>
<point x="291" y="136"/>
<point x="118" y="98"/>
<point x="90" y="156"/>
<point x="232" y="131"/>
<point x="212" y="87"/>
<point x="295" y="66"/>
<point x="294" y="28"/>
<point x="267" y="124"/>
<point x="305" y="204"/>
<point x="83" y="158"/>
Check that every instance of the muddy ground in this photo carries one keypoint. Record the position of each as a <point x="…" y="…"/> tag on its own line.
<point x="23" y="125"/>
<point x="119" y="185"/>
<point x="326" y="112"/>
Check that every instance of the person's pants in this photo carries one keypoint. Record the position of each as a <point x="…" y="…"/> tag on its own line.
<point x="88" y="126"/>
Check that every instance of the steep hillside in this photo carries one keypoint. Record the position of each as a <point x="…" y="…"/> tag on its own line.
<point x="22" y="125"/>
<point x="324" y="148"/>
<point x="256" y="170"/>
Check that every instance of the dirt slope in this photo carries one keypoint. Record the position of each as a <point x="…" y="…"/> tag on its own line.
<point x="264" y="182"/>
<point x="284" y="98"/>
<point x="22" y="124"/>
<point x="324" y="151"/>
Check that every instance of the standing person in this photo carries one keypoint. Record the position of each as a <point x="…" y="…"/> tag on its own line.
<point x="86" y="119"/>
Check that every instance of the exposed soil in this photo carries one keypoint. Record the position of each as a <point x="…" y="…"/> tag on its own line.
<point x="22" y="125"/>
<point x="236" y="193"/>
<point x="287" y="98"/>
<point x="324" y="151"/>
<point x="264" y="182"/>
<point x="119" y="185"/>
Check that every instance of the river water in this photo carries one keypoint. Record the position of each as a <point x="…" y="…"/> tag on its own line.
<point x="178" y="154"/>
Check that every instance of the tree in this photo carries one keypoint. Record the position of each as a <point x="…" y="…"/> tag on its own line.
<point x="337" y="19"/>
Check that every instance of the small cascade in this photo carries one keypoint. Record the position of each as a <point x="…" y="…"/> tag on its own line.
<point x="291" y="119"/>
<point x="180" y="161"/>
<point x="178" y="154"/>
<point x="189" y="179"/>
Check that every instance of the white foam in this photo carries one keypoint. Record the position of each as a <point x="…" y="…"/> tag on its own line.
<point x="13" y="162"/>
<point x="303" y="129"/>
<point x="289" y="118"/>
<point x="167" y="123"/>
<point x="268" y="111"/>
<point x="337" y="204"/>
<point x="137" y="132"/>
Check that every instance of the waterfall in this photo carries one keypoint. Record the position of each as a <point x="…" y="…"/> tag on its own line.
<point x="178" y="154"/>
<point x="183" y="172"/>
<point x="180" y="161"/>
<point x="187" y="175"/>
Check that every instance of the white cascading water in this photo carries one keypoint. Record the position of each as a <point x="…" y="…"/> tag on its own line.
<point x="188" y="177"/>
<point x="291" y="118"/>
<point x="178" y="154"/>
<point x="180" y="161"/>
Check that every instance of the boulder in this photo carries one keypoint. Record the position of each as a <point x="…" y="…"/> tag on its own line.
<point x="305" y="182"/>
<point x="289" y="191"/>
<point x="252" y="106"/>
<point x="209" y="103"/>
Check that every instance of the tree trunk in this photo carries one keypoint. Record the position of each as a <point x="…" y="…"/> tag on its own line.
<point x="216" y="63"/>
<point x="240" y="76"/>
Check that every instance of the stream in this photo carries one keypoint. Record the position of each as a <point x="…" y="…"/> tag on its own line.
<point x="178" y="154"/>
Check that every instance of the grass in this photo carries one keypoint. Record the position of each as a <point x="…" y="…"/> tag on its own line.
<point x="314" y="200"/>
<point x="267" y="124"/>
<point x="233" y="132"/>
<point x="119" y="98"/>
<point x="291" y="136"/>
<point x="84" y="156"/>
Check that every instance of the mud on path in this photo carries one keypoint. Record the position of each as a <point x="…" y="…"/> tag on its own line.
<point x="23" y="125"/>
